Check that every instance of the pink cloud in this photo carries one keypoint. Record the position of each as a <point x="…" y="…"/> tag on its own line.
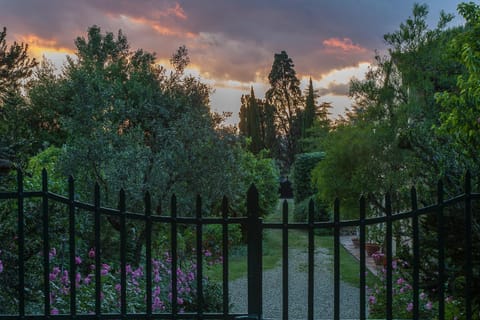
<point x="344" y="44"/>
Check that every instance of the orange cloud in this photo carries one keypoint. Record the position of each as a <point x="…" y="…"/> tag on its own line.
<point x="38" y="46"/>
<point x="159" y="28"/>
<point x="177" y="11"/>
<point x="344" y="44"/>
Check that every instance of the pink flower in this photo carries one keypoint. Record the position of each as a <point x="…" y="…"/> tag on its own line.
<point x="91" y="253"/>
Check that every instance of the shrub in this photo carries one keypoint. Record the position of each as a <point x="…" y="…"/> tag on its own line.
<point x="302" y="179"/>
<point x="300" y="213"/>
<point x="136" y="286"/>
<point x="403" y="298"/>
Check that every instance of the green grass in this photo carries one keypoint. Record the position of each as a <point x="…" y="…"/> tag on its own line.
<point x="298" y="239"/>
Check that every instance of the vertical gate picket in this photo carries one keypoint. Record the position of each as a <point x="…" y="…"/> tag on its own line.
<point x="174" y="257"/>
<point x="97" y="251"/>
<point x="199" y="257"/>
<point x="46" y="244"/>
<point x="363" y="269"/>
<point x="254" y="247"/>
<point x="311" y="261"/>
<point x="388" y="207"/>
<point x="416" y="255"/>
<point x="148" y="252"/>
<point x="123" y="253"/>
<point x="285" y="260"/>
<point x="441" y="252"/>
<point x="468" y="247"/>
<point x="21" y="245"/>
<point x="72" y="246"/>
<point x="336" y="260"/>
<point x="225" y="255"/>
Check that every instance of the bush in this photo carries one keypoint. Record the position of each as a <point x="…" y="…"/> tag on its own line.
<point x="302" y="179"/>
<point x="136" y="283"/>
<point x="320" y="213"/>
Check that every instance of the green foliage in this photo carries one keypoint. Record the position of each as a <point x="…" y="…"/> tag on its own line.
<point x="302" y="180"/>
<point x="15" y="68"/>
<point x="262" y="172"/>
<point x="309" y="112"/>
<point x="301" y="211"/>
<point x="250" y="121"/>
<point x="48" y="160"/>
<point x="460" y="116"/>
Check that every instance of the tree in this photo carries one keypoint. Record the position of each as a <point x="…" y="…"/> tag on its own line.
<point x="460" y="113"/>
<point x="128" y="125"/>
<point x="285" y="95"/>
<point x="250" y="121"/>
<point x="309" y="113"/>
<point x="257" y="123"/>
<point x="15" y="67"/>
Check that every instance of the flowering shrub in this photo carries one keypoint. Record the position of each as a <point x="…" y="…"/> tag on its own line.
<point x="60" y="285"/>
<point x="402" y="294"/>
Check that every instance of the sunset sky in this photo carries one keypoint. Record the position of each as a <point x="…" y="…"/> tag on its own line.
<point x="231" y="43"/>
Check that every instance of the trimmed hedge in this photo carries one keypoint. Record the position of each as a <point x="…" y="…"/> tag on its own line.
<point x="302" y="179"/>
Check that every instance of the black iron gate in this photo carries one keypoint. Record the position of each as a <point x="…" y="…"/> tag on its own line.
<point x="255" y="227"/>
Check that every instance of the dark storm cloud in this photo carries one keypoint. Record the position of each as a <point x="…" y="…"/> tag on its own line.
<point x="227" y="39"/>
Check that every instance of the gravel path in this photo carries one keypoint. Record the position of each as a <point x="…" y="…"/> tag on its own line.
<point x="323" y="290"/>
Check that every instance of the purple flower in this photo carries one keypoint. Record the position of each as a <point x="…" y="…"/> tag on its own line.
<point x="118" y="287"/>
<point x="105" y="269"/>
<point x="78" y="260"/>
<point x="394" y="264"/>
<point x="372" y="300"/>
<point x="400" y="281"/>
<point x="428" y="306"/>
<point x="1" y="266"/>
<point x="409" y="306"/>
<point x="157" y="304"/>
<point x="54" y="311"/>
<point x="422" y="295"/>
<point x="91" y="253"/>
<point x="52" y="253"/>
<point x="87" y="280"/>
<point x="208" y="253"/>
<point x="65" y="279"/>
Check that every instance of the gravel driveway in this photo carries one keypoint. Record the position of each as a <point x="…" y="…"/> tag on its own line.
<point x="323" y="290"/>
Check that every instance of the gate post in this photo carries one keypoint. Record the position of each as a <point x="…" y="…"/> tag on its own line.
<point x="254" y="245"/>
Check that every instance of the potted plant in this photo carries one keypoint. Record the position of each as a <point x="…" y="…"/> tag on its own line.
<point x="375" y="237"/>
<point x="379" y="258"/>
